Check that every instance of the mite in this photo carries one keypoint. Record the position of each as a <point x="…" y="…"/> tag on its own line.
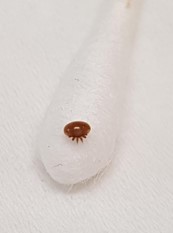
<point x="77" y="130"/>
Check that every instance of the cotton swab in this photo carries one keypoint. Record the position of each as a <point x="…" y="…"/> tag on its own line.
<point x="91" y="92"/>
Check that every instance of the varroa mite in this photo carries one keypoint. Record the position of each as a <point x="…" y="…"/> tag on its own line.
<point x="77" y="130"/>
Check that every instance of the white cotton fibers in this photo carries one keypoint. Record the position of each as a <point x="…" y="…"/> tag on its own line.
<point x="90" y="91"/>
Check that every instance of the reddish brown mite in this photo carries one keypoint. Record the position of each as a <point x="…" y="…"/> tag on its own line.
<point x="77" y="130"/>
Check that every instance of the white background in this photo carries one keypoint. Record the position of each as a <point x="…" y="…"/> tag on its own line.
<point x="38" y="40"/>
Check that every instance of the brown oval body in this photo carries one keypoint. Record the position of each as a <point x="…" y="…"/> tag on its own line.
<point x="77" y="130"/>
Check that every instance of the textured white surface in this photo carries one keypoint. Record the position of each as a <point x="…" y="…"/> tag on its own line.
<point x="38" y="41"/>
<point x="91" y="90"/>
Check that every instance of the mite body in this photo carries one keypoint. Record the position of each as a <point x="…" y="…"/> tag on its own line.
<point x="77" y="130"/>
